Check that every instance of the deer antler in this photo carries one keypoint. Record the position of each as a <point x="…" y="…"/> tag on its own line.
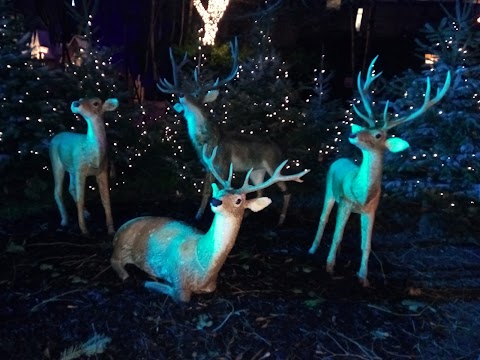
<point x="218" y="83"/>
<point x="362" y="89"/>
<point x="246" y="187"/>
<point x="164" y="85"/>
<point x="427" y="103"/>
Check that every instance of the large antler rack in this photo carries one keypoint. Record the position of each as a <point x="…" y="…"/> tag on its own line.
<point x="175" y="88"/>
<point x="246" y="187"/>
<point x="427" y="103"/>
<point x="388" y="124"/>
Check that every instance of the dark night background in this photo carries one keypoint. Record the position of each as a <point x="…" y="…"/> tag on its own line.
<point x="59" y="295"/>
<point x="302" y="30"/>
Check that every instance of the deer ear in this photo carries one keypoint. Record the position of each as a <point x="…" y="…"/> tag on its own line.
<point x="211" y="96"/>
<point x="396" y="144"/>
<point x="178" y="107"/>
<point x="356" y="128"/>
<point x="258" y="204"/>
<point x="110" y="104"/>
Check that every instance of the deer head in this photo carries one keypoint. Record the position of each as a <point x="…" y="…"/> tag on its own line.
<point x="191" y="99"/>
<point x="374" y="137"/>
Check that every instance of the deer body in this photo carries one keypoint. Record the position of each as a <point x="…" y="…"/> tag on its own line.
<point x="242" y="152"/>
<point x="358" y="188"/>
<point x="83" y="155"/>
<point x="188" y="260"/>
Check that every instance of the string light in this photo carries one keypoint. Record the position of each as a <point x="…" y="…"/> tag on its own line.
<point x="211" y="17"/>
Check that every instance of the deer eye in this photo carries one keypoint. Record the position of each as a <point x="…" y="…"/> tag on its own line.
<point x="378" y="136"/>
<point x="238" y="201"/>
<point x="95" y="103"/>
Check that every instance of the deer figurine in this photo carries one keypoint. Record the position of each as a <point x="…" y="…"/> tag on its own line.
<point x="357" y="188"/>
<point x="243" y="152"/>
<point x="188" y="260"/>
<point x="83" y="155"/>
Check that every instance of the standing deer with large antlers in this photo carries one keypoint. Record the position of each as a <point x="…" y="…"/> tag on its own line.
<point x="188" y="260"/>
<point x="243" y="152"/>
<point x="357" y="188"/>
<point x="83" y="155"/>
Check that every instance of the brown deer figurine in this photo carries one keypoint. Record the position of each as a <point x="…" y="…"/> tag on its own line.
<point x="243" y="152"/>
<point x="357" y="188"/>
<point x="188" y="260"/>
<point x="83" y="155"/>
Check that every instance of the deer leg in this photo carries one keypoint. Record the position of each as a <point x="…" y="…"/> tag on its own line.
<point x="102" y="181"/>
<point x="207" y="192"/>
<point x="328" y="203"/>
<point x="327" y="208"/>
<point x="178" y="295"/>
<point x="58" y="177"/>
<point x="257" y="177"/>
<point x="118" y="266"/>
<point x="286" y="202"/>
<point x="367" y="220"/>
<point x="343" y="213"/>
<point x="80" y="200"/>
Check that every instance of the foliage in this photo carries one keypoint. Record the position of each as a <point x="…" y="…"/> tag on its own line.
<point x="35" y="105"/>
<point x="444" y="151"/>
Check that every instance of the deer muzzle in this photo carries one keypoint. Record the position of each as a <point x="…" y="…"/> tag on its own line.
<point x="215" y="202"/>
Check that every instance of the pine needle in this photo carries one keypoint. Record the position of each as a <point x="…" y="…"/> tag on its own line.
<point x="95" y="345"/>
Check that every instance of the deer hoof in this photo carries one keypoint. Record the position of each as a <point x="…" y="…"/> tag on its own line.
<point x="330" y="268"/>
<point x="312" y="250"/>
<point x="364" y="282"/>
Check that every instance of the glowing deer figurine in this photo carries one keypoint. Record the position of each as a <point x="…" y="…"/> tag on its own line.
<point x="357" y="188"/>
<point x="243" y="152"/>
<point x="187" y="259"/>
<point x="83" y="155"/>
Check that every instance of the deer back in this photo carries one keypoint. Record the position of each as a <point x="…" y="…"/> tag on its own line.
<point x="155" y="245"/>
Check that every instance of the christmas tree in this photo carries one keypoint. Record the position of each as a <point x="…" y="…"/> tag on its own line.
<point x="35" y="105"/>
<point x="442" y="165"/>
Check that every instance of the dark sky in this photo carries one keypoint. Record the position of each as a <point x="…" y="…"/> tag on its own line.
<point x="298" y="28"/>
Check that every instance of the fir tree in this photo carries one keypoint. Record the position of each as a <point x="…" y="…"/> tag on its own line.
<point x="443" y="162"/>
<point x="35" y="97"/>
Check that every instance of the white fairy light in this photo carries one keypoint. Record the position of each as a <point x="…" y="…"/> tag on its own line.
<point x="211" y="17"/>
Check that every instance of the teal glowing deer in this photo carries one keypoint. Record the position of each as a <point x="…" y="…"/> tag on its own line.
<point x="357" y="188"/>
<point x="83" y="155"/>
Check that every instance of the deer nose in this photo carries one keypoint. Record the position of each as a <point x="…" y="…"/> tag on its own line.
<point x="215" y="202"/>
<point x="352" y="136"/>
<point x="181" y="95"/>
<point x="76" y="103"/>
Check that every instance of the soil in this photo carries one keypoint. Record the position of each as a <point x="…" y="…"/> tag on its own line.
<point x="60" y="299"/>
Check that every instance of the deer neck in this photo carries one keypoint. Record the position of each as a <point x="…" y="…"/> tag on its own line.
<point x="214" y="247"/>
<point x="200" y="130"/>
<point x="96" y="140"/>
<point x="367" y="183"/>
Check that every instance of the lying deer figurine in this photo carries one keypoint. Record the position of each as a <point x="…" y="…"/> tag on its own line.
<point x="188" y="260"/>
<point x="244" y="152"/>
<point x="83" y="155"/>
<point x="357" y="188"/>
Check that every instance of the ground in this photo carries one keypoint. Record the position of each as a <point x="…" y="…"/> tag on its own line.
<point x="60" y="299"/>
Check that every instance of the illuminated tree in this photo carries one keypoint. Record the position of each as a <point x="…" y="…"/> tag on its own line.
<point x="35" y="104"/>
<point x="444" y="160"/>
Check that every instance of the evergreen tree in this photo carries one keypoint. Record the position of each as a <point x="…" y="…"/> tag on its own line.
<point x="443" y="162"/>
<point x="35" y="97"/>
